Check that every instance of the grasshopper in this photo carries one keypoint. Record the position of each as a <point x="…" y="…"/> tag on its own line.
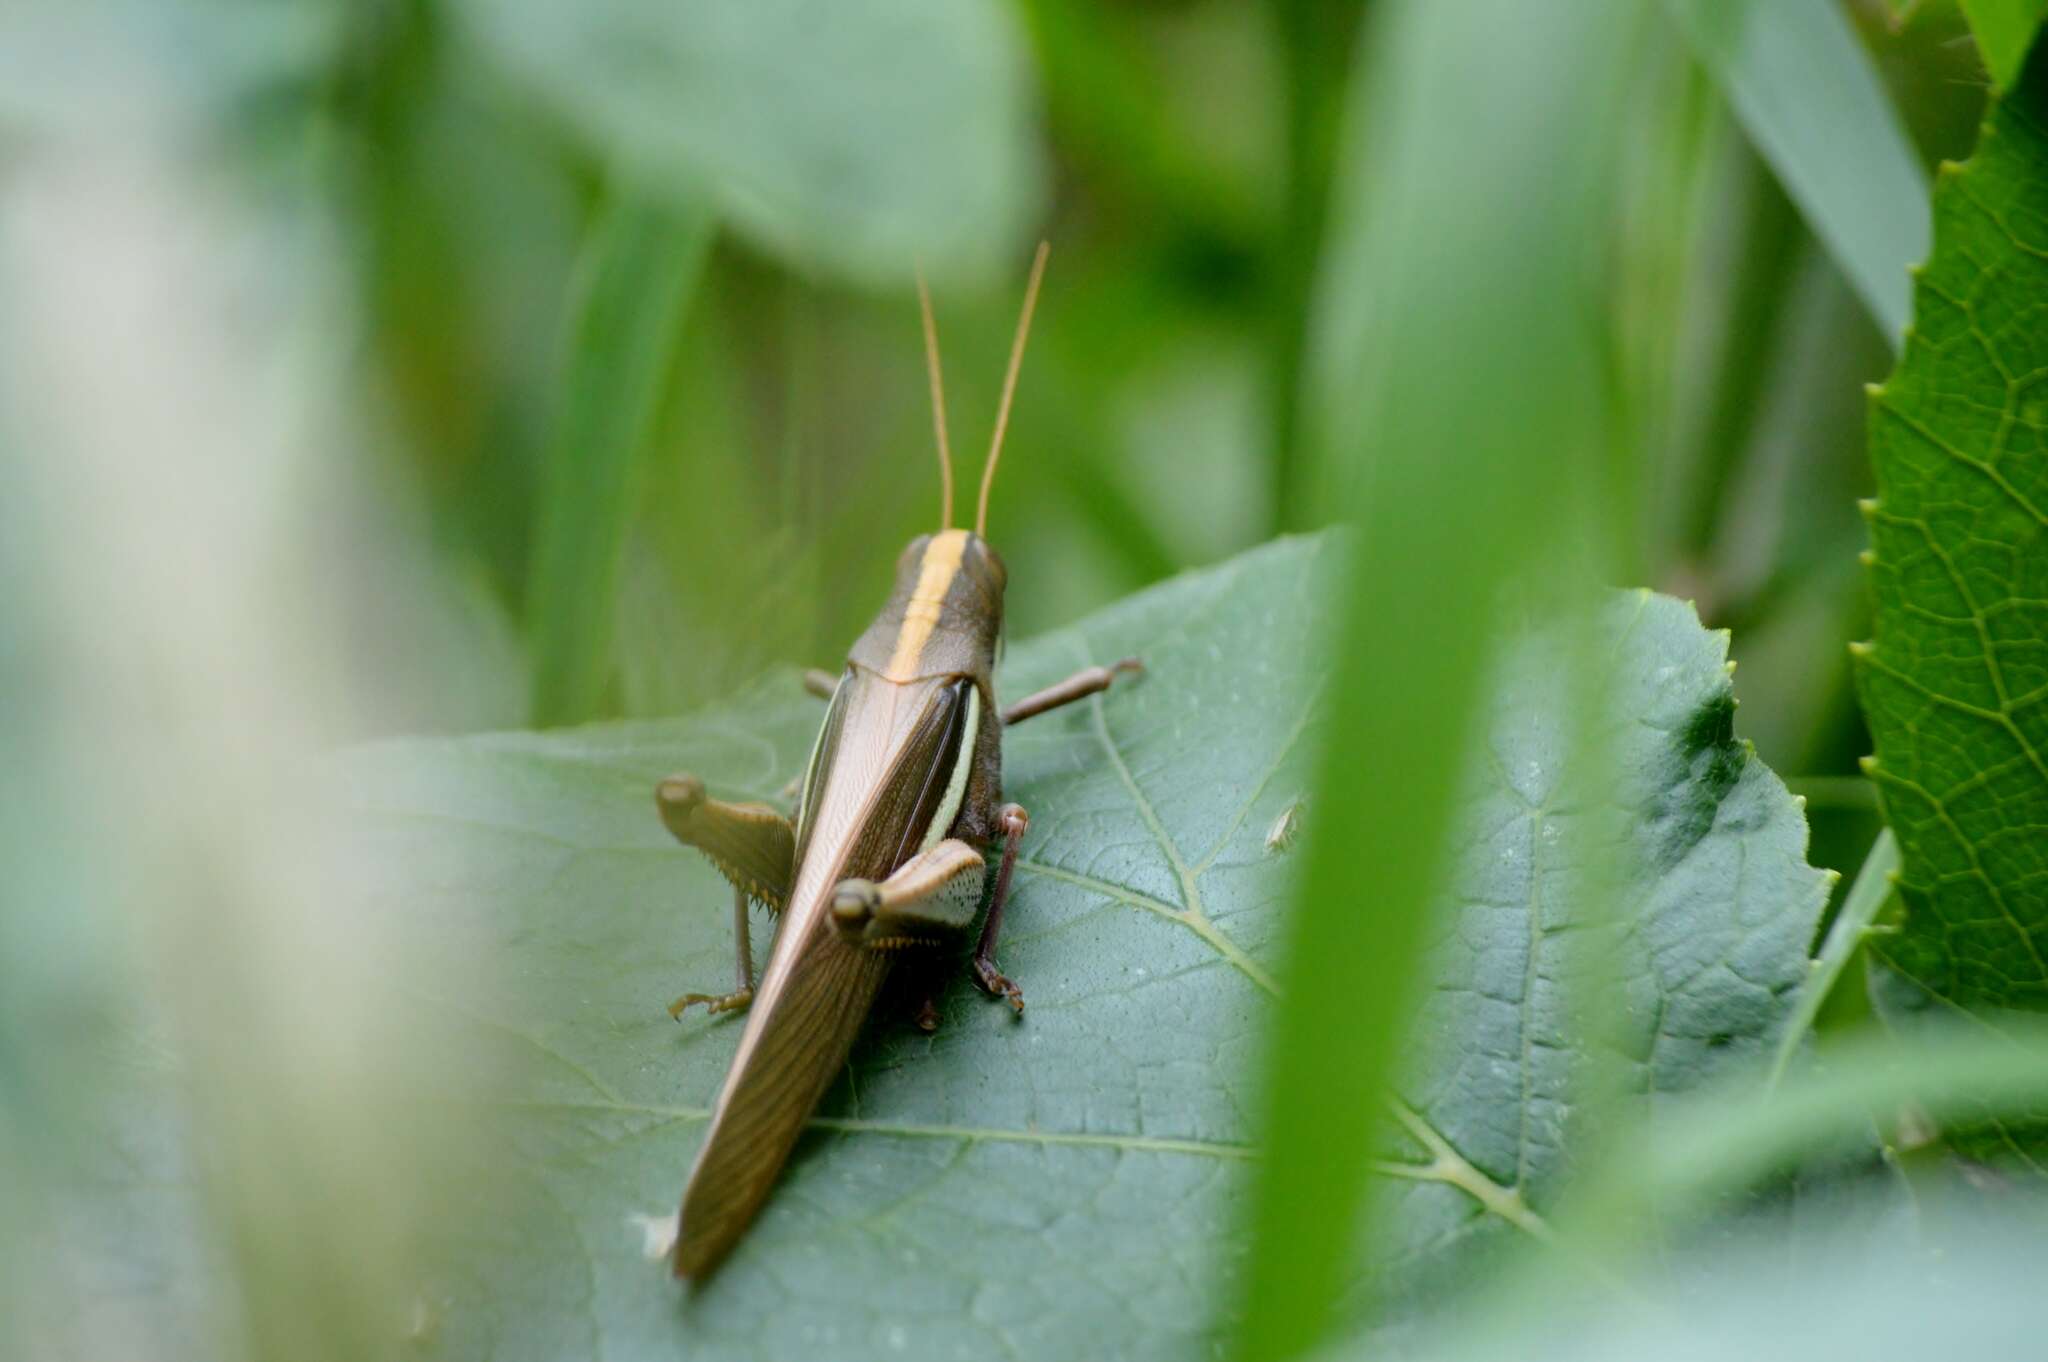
<point x="904" y="783"/>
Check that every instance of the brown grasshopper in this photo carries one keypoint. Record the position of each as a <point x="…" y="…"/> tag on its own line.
<point x="903" y="784"/>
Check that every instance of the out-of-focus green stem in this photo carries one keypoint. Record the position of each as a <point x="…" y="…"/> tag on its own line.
<point x="1867" y="896"/>
<point x="639" y="271"/>
<point x="1805" y="91"/>
<point x="1317" y="39"/>
<point x="1459" y="394"/>
<point x="1772" y="239"/>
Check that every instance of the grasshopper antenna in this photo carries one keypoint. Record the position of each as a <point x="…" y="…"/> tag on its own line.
<point x="931" y="364"/>
<point x="995" y="448"/>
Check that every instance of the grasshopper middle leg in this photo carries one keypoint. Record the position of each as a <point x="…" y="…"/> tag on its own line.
<point x="1013" y="821"/>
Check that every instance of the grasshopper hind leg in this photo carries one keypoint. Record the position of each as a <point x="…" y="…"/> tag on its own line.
<point x="932" y="899"/>
<point x="927" y="902"/>
<point x="743" y="995"/>
<point x="753" y="846"/>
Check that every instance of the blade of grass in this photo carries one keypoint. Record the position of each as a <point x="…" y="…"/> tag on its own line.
<point x="1760" y="292"/>
<point x="1458" y="393"/>
<point x="1871" y="891"/>
<point x="1721" y="1141"/>
<point x="2004" y="30"/>
<point x="1315" y="36"/>
<point x="1804" y="90"/>
<point x="635" y="281"/>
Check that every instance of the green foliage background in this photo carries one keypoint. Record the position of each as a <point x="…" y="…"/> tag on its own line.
<point x="431" y="421"/>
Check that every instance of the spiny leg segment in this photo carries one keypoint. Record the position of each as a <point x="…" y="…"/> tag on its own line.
<point x="753" y="846"/>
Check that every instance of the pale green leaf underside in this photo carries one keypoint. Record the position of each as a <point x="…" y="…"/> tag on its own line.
<point x="1067" y="1185"/>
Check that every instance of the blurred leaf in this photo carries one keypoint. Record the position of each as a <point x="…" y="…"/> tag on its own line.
<point x="1852" y="1296"/>
<point x="1459" y="399"/>
<point x="1797" y="77"/>
<point x="1955" y="684"/>
<point x="2004" y="30"/>
<point x="640" y="269"/>
<point x="1068" y="1185"/>
<point x="1728" y="1137"/>
<point x="852" y="138"/>
<point x="1109" y="108"/>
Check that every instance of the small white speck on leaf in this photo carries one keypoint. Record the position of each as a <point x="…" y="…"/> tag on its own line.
<point x="657" y="1234"/>
<point x="424" y="1321"/>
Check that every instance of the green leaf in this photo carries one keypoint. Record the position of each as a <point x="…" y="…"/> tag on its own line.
<point x="851" y="138"/>
<point x="1955" y="684"/>
<point x="1797" y="77"/>
<point x="636" y="280"/>
<point x="1068" y="1184"/>
<point x="2004" y="30"/>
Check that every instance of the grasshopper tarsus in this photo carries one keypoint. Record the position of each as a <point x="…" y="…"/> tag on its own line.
<point x="714" y="1003"/>
<point x="997" y="984"/>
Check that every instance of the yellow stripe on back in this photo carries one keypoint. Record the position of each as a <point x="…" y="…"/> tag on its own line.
<point x="934" y="578"/>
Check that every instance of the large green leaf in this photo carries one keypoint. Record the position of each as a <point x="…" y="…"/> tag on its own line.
<point x="1067" y="1184"/>
<point x="1955" y="685"/>
<point x="854" y="138"/>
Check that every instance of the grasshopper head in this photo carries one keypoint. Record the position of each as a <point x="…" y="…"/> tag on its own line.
<point x="949" y="557"/>
<point x="945" y="616"/>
